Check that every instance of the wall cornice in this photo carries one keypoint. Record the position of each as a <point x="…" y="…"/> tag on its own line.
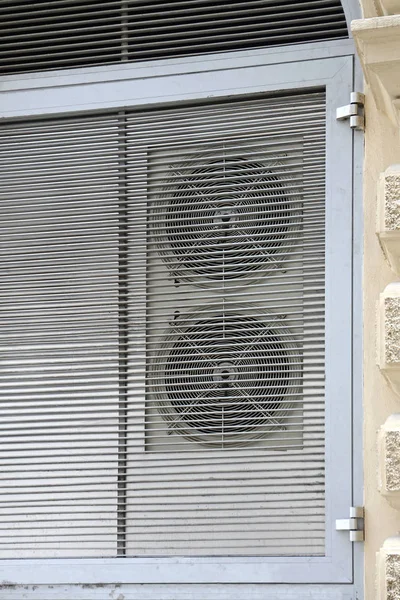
<point x="377" y="41"/>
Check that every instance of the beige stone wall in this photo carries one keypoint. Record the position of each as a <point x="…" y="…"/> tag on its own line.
<point x="381" y="470"/>
<point x="371" y="8"/>
<point x="382" y="521"/>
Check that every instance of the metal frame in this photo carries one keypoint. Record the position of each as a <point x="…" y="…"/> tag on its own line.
<point x="182" y="592"/>
<point x="357" y="337"/>
<point x="130" y="85"/>
<point x="205" y="78"/>
<point x="77" y="90"/>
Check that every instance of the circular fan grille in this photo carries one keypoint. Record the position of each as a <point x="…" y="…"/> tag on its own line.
<point x="223" y="219"/>
<point x="225" y="378"/>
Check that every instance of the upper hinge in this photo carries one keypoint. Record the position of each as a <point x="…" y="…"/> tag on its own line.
<point x="353" y="111"/>
<point x="354" y="525"/>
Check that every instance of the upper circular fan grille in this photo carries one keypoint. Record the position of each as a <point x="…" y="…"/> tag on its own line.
<point x="225" y="378"/>
<point x="218" y="220"/>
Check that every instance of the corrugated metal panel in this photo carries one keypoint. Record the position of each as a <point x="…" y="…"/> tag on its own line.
<point x="68" y="33"/>
<point x="162" y="297"/>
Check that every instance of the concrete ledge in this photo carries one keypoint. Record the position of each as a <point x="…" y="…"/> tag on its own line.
<point x="388" y="215"/>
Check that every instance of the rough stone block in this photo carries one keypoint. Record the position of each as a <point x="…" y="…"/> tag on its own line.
<point x="389" y="460"/>
<point x="388" y="568"/>
<point x="388" y="335"/>
<point x="388" y="222"/>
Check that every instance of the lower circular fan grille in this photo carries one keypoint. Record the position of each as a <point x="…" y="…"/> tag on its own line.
<point x="223" y="219"/>
<point x="225" y="377"/>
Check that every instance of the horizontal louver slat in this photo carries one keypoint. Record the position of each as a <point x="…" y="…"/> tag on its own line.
<point x="58" y="34"/>
<point x="52" y="327"/>
<point x="115" y="265"/>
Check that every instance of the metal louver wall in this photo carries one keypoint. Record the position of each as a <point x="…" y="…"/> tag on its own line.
<point x="162" y="318"/>
<point x="60" y="396"/>
<point x="35" y="36"/>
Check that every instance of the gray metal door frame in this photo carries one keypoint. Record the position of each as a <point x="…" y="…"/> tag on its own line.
<point x="181" y="81"/>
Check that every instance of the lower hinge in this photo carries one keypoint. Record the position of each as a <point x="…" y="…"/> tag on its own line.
<point x="354" y="525"/>
<point x="354" y="111"/>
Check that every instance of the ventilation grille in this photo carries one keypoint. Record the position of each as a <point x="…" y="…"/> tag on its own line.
<point x="146" y="411"/>
<point x="226" y="216"/>
<point x="224" y="378"/>
<point x="36" y="36"/>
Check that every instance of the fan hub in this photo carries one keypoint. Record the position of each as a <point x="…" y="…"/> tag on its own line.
<point x="226" y="215"/>
<point x="225" y="372"/>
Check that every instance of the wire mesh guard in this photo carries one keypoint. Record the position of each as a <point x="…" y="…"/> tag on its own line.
<point x="222" y="218"/>
<point x="224" y="378"/>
